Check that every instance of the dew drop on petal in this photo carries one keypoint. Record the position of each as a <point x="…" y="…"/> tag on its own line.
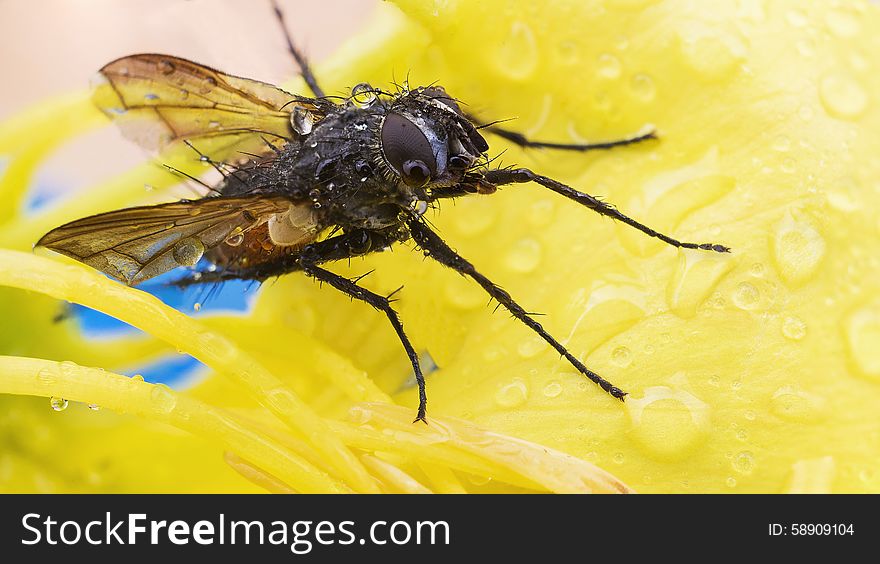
<point x="842" y="96"/>
<point x="163" y="399"/>
<point x="797" y="249"/>
<point x="621" y="356"/>
<point x="524" y="256"/>
<point x="512" y="394"/>
<point x="794" y="328"/>
<point x="58" y="404"/>
<point x="862" y="330"/>
<point x="517" y="57"/>
<point x="552" y="389"/>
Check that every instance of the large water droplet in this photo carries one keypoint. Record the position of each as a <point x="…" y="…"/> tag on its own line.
<point x="608" y="66"/>
<point x="668" y="423"/>
<point x="235" y="238"/>
<point x="794" y="328"/>
<point x="642" y="87"/>
<point x="746" y="296"/>
<point x="863" y="339"/>
<point x="532" y="347"/>
<point x="513" y="394"/>
<point x="713" y="55"/>
<point x="188" y="251"/>
<point x="524" y="256"/>
<point x="363" y="95"/>
<point x="697" y="275"/>
<point x="463" y="294"/>
<point x="842" y="96"/>
<point x="794" y="404"/>
<point x="58" y="404"/>
<point x="621" y="356"/>
<point x="163" y="398"/>
<point x="552" y="389"/>
<point x="798" y="249"/>
<point x="813" y="476"/>
<point x="842" y="24"/>
<point x="302" y="120"/>
<point x="517" y="57"/>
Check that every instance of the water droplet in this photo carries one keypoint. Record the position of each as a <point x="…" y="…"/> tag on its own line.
<point x="742" y="435"/>
<point x="474" y="216"/>
<point x="138" y="377"/>
<point x="863" y="340"/>
<point x="842" y="96"/>
<point x="788" y="166"/>
<point x="797" y="249"/>
<point x="749" y="415"/>
<point x="842" y="24"/>
<point x="621" y="356"/>
<point x="166" y="67"/>
<point x="47" y="377"/>
<point x="782" y="143"/>
<point x="197" y="306"/>
<point x="302" y="120"/>
<point x="517" y="58"/>
<point x="58" y="404"/>
<point x="668" y="423"/>
<point x="463" y="294"/>
<point x="794" y="404"/>
<point x="552" y="389"/>
<point x="568" y="53"/>
<point x="746" y="296"/>
<point x="642" y="87"/>
<point x="163" y="398"/>
<point x="731" y="482"/>
<point x="360" y="415"/>
<point x="235" y="238"/>
<point x="713" y="55"/>
<point x="813" y="476"/>
<point x="513" y="394"/>
<point x="540" y="213"/>
<point x="618" y="458"/>
<point x="698" y="273"/>
<point x="532" y="347"/>
<point x="757" y="270"/>
<point x="794" y="328"/>
<point x="188" y="252"/>
<point x="797" y="18"/>
<point x="744" y="462"/>
<point x="363" y="95"/>
<point x="94" y="406"/>
<point x="524" y="256"/>
<point x="608" y="66"/>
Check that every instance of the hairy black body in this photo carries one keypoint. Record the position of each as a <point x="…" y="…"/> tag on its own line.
<point x="328" y="181"/>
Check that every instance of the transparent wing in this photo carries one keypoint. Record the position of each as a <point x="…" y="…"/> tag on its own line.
<point x="136" y="244"/>
<point x="159" y="99"/>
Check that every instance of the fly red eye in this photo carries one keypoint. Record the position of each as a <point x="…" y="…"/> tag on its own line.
<point x="407" y="150"/>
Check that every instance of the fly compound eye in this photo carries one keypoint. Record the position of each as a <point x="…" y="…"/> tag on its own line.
<point x="407" y="150"/>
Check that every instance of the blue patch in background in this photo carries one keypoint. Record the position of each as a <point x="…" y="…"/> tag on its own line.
<point x="231" y="296"/>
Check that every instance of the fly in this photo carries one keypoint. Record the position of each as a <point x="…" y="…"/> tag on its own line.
<point x="324" y="181"/>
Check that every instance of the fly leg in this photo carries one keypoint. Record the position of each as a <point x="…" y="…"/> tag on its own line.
<point x="301" y="61"/>
<point x="525" y="142"/>
<point x="437" y="249"/>
<point x="500" y="177"/>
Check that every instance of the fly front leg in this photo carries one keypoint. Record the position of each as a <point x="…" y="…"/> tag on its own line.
<point x="500" y="177"/>
<point x="437" y="249"/>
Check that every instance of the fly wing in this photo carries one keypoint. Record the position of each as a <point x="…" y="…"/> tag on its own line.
<point x="159" y="99"/>
<point x="136" y="244"/>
